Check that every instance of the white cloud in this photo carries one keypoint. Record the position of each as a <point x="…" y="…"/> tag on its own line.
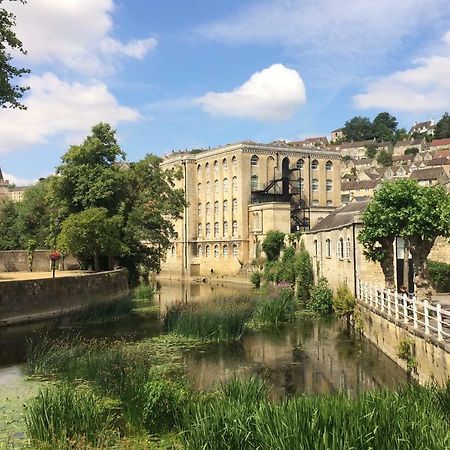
<point x="59" y="108"/>
<point x="76" y="34"/>
<point x="337" y="31"/>
<point x="425" y="87"/>
<point x="270" y="95"/>
<point x="18" y="181"/>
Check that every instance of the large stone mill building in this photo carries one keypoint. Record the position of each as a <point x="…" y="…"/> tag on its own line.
<point x="238" y="192"/>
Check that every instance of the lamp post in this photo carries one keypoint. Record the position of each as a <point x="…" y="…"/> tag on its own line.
<point x="55" y="255"/>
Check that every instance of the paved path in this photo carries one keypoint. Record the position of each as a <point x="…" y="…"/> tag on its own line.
<point x="443" y="299"/>
<point x="8" y="276"/>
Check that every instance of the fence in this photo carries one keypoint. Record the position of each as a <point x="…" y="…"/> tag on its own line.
<point x="430" y="319"/>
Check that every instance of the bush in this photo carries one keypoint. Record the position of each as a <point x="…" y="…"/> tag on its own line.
<point x="439" y="274"/>
<point x="304" y="276"/>
<point x="144" y="292"/>
<point x="344" y="302"/>
<point x="272" y="244"/>
<point x="321" y="301"/>
<point x="255" y="279"/>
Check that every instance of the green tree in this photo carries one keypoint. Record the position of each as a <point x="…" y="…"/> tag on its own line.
<point x="9" y="226"/>
<point x="412" y="151"/>
<point x="10" y="92"/>
<point x="371" y="150"/>
<point x="90" y="235"/>
<point x="273" y="244"/>
<point x="384" y="158"/>
<point x="304" y="275"/>
<point x="442" y="129"/>
<point x="385" y="127"/>
<point x="358" y="129"/>
<point x="400" y="135"/>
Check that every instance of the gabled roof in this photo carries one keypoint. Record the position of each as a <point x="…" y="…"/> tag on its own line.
<point x="432" y="173"/>
<point x="360" y="184"/>
<point x="437" y="162"/>
<point x="362" y="161"/>
<point x="439" y="142"/>
<point x="397" y="158"/>
<point x="442" y="154"/>
<point x="409" y="143"/>
<point x="337" y="130"/>
<point x="357" y="144"/>
<point x="426" y="124"/>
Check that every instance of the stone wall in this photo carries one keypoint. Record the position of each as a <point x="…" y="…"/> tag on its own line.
<point x="17" y="261"/>
<point x="31" y="300"/>
<point x="433" y="358"/>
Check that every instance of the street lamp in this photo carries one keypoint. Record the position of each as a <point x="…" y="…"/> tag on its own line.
<point x="55" y="255"/>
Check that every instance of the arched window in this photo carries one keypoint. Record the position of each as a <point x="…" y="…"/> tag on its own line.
<point x="316" y="248"/>
<point x="314" y="164"/>
<point x="225" y="250"/>
<point x="225" y="228"/>
<point x="225" y="185"/>
<point x="254" y="160"/>
<point x="207" y="169"/>
<point x="225" y="164"/>
<point x="208" y="187"/>
<point x="348" y="248"/>
<point x="302" y="184"/>
<point x="235" y="250"/>
<point x="216" y="229"/>
<point x="235" y="228"/>
<point x="208" y="209"/>
<point x="199" y="187"/>
<point x="340" y="248"/>
<point x="328" y="248"/>
<point x="234" y="161"/>
<point x="234" y="205"/>
<point x="329" y="165"/>
<point x="199" y="229"/>
<point x="208" y="230"/>
<point x="329" y="203"/>
<point x="300" y="163"/>
<point x="199" y="250"/>
<point x="208" y="251"/>
<point x="216" y="167"/>
<point x="172" y="251"/>
<point x="216" y="187"/>
<point x="254" y="183"/>
<point x="256" y="221"/>
<point x="216" y="251"/>
<point x="329" y="185"/>
<point x="234" y="184"/>
<point x="225" y="206"/>
<point x="315" y="202"/>
<point x="315" y="184"/>
<point x="216" y="208"/>
<point x="199" y="209"/>
<point x="199" y="171"/>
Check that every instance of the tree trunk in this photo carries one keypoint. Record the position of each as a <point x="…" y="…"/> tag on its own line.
<point x="96" y="262"/>
<point x="387" y="263"/>
<point x="420" y="249"/>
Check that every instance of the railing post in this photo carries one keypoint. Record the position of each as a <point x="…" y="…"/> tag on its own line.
<point x="439" y="321"/>
<point x="414" y="303"/>
<point x="426" y="314"/>
<point x="396" y="304"/>
<point x="405" y="308"/>
<point x="374" y="296"/>
<point x="366" y="292"/>
<point x="388" y="298"/>
<point x="381" y="291"/>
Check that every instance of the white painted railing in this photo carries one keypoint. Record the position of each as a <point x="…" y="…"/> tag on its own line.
<point x="429" y="318"/>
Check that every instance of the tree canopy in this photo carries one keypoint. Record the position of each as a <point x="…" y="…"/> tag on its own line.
<point x="10" y="91"/>
<point x="358" y="129"/>
<point x="384" y="127"/>
<point x="442" y="129"/>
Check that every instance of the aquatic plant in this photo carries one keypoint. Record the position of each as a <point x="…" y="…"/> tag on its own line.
<point x="99" y="313"/>
<point x="143" y="292"/>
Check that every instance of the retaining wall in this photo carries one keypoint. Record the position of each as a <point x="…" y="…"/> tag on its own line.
<point x="17" y="261"/>
<point x="31" y="300"/>
<point x="432" y="356"/>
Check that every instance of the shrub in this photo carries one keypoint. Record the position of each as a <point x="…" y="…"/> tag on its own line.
<point x="321" y="301"/>
<point x="255" y="279"/>
<point x="411" y="151"/>
<point x="272" y="244"/>
<point x="304" y="275"/>
<point x="143" y="292"/>
<point x="439" y="274"/>
<point x="344" y="302"/>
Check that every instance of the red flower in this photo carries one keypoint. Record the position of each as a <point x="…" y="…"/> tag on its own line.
<point x="55" y="255"/>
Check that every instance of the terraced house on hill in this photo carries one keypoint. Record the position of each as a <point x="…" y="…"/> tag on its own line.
<point x="238" y="192"/>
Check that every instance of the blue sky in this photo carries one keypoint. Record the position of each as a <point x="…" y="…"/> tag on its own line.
<point x="182" y="74"/>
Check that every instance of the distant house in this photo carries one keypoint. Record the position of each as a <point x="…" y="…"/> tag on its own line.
<point x="401" y="146"/>
<point x="337" y="134"/>
<point x="440" y="144"/>
<point x="426" y="127"/>
<point x="356" y="150"/>
<point x="430" y="176"/>
<point x="356" y="189"/>
<point x="320" y="141"/>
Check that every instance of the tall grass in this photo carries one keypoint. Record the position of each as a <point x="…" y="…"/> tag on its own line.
<point x="222" y="319"/>
<point x="62" y="417"/>
<point x="143" y="292"/>
<point x="384" y="420"/>
<point x="105" y="312"/>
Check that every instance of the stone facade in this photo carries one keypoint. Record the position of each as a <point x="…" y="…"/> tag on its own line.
<point x="225" y="220"/>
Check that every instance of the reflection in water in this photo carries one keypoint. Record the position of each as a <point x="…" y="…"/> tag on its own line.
<point x="308" y="356"/>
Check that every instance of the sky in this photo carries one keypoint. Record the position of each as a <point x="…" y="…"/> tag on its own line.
<point x="181" y="74"/>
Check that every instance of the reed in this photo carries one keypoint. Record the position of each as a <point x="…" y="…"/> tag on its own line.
<point x="97" y="314"/>
<point x="143" y="292"/>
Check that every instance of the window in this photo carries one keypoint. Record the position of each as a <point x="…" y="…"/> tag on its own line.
<point x="225" y="250"/>
<point x="234" y="184"/>
<point x="329" y="165"/>
<point x="225" y="185"/>
<point x="199" y="251"/>
<point x="208" y="209"/>
<point x="216" y="229"/>
<point x="254" y="183"/>
<point x="225" y="164"/>
<point x="216" y="187"/>
<point x="199" y="187"/>
<point x="315" y="202"/>
<point x="329" y="185"/>
<point x="314" y="164"/>
<point x="301" y="184"/>
<point x="207" y="169"/>
<point x="172" y="251"/>
<point x="316" y="248"/>
<point x="235" y="228"/>
<point x="329" y="203"/>
<point x="255" y="221"/>
<point x="208" y="251"/>
<point x="315" y="184"/>
<point x="225" y="228"/>
<point x="340" y="248"/>
<point x="199" y="229"/>
<point x="348" y="248"/>
<point x="300" y="163"/>
<point x="254" y="160"/>
<point x="216" y="208"/>
<point x="216" y="167"/>
<point x="199" y="171"/>
<point x="234" y="205"/>
<point x="216" y="251"/>
<point x="328" y="248"/>
<point x="208" y="230"/>
<point x="234" y="161"/>
<point x="235" y="250"/>
<point x="225" y="206"/>
<point x="208" y="187"/>
<point x="199" y="209"/>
